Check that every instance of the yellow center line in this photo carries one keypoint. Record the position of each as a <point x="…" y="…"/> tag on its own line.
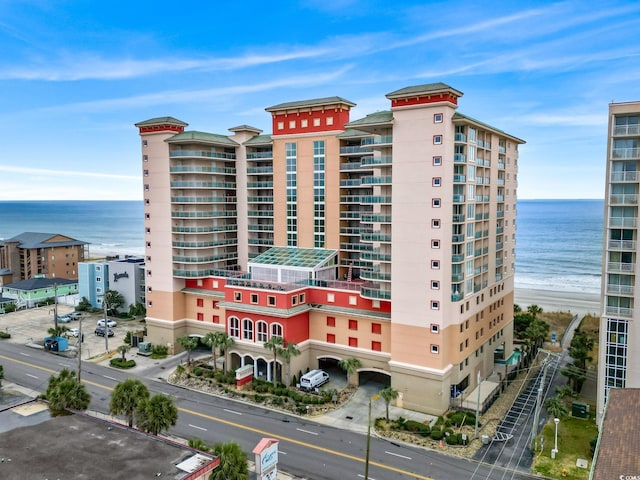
<point x="247" y="428"/>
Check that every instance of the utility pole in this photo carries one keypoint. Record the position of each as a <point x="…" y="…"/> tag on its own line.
<point x="55" y="306"/>
<point x="106" y="326"/>
<point x="475" y="435"/>
<point x="366" y="461"/>
<point x="537" y="408"/>
<point x="79" y="350"/>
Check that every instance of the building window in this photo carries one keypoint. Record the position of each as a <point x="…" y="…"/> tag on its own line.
<point x="145" y="158"/>
<point x="200" y="302"/>
<point x="301" y="298"/>
<point x="200" y="317"/>
<point x="316" y="122"/>
<point x="147" y="216"/>
<point x="435" y="349"/>
<point x="271" y="301"/>
<point x="353" y="300"/>
<point x="435" y="305"/>
<point x="280" y="125"/>
<point x="247" y="329"/>
<point x="294" y="300"/>
<point x="292" y="124"/>
<point x="149" y="289"/>
<point x="147" y="230"/>
<point x="234" y="327"/>
<point x="254" y="298"/>
<point x="435" y="243"/>
<point x="353" y="342"/>
<point x="331" y="297"/>
<point x="437" y="139"/>
<point x="435" y="264"/>
<point x="437" y="118"/>
<point x="437" y="161"/>
<point x="376" y="328"/>
<point x="329" y="120"/>
<point x="144" y="143"/>
<point x="331" y="321"/>
<point x="436" y="202"/>
<point x="436" y="181"/>
<point x="435" y="328"/>
<point x="145" y="173"/>
<point x="214" y="304"/>
<point x="98" y="279"/>
<point x="435" y="285"/>
<point x="353" y="325"/>
<point x="261" y="331"/>
<point x="331" y="338"/>
<point x="376" y="346"/>
<point x="304" y="123"/>
<point x="237" y="296"/>
<point x="276" y="330"/>
<point x="435" y="223"/>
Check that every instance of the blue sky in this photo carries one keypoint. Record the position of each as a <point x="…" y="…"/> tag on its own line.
<point x="76" y="75"/>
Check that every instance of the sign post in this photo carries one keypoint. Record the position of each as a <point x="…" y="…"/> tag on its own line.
<point x="266" y="457"/>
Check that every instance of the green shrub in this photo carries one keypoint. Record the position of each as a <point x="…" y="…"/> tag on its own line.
<point x="300" y="408"/>
<point x="117" y="362"/>
<point x="160" y="350"/>
<point x="453" y="439"/>
<point x="277" y="401"/>
<point x="417" y="427"/>
<point x="209" y="373"/>
<point x="457" y="419"/>
<point x="197" y="371"/>
<point x="258" y="398"/>
<point x="436" y="434"/>
<point x="5" y="335"/>
<point x="447" y="431"/>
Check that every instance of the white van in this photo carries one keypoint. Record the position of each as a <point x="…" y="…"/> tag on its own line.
<point x="313" y="379"/>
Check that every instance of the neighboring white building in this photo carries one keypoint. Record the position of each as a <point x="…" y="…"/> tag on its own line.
<point x="619" y="350"/>
<point x="125" y="276"/>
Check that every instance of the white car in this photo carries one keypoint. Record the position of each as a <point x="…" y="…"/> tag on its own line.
<point x="74" y="332"/>
<point x="110" y="323"/>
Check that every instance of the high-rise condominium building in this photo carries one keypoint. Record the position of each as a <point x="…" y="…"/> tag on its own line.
<point x="389" y="239"/>
<point x="619" y="350"/>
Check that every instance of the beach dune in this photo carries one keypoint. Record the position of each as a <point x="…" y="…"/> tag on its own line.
<point x="559" y="301"/>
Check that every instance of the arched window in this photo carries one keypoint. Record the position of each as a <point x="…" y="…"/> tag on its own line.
<point x="276" y="330"/>
<point x="234" y="327"/>
<point x="261" y="331"/>
<point x="247" y="329"/>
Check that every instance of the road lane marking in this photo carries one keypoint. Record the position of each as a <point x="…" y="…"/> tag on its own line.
<point x="32" y="376"/>
<point x="110" y="378"/>
<point x="263" y="433"/>
<point x="199" y="428"/>
<point x="231" y="411"/>
<point x="397" y="455"/>
<point x="360" y="475"/>
<point x="307" y="431"/>
<point x="25" y="354"/>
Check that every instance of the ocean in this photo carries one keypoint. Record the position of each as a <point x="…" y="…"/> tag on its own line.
<point x="559" y="242"/>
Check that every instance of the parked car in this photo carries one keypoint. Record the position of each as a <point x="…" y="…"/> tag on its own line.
<point x="75" y="315"/>
<point x="74" y="332"/>
<point x="100" y="331"/>
<point x="64" y="319"/>
<point x="110" y="323"/>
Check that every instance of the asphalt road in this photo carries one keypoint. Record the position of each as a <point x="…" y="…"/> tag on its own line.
<point x="307" y="449"/>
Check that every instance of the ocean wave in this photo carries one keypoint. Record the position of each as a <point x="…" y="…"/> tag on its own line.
<point x="564" y="283"/>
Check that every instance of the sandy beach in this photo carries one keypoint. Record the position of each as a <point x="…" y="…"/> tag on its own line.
<point x="554" y="301"/>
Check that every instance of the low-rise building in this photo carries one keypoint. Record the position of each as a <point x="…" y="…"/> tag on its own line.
<point x="126" y="276"/>
<point x="28" y="293"/>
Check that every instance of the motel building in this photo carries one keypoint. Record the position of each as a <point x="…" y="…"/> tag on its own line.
<point x="389" y="238"/>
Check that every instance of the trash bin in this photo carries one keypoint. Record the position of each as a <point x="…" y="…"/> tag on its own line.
<point x="485" y="439"/>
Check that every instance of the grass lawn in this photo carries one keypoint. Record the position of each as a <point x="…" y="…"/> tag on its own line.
<point x="574" y="435"/>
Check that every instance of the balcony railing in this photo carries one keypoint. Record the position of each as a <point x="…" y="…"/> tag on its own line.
<point x="619" y="289"/>
<point x="197" y="169"/>
<point x="259" y="184"/>
<point x="231" y="213"/>
<point x="256" y="155"/>
<point x="459" y="178"/>
<point x="625" y="153"/>
<point x="223" y="228"/>
<point x="375" y="293"/>
<point x="260" y="170"/>
<point x="622" y="222"/>
<point x="460" y="137"/>
<point x="375" y="218"/>
<point x="631" y="176"/>
<point x="260" y="213"/>
<point x="459" y="158"/>
<point x="623" y="199"/>
<point x="622" y="245"/>
<point x="383" y="139"/>
<point x="619" y="311"/>
<point x="384" y="160"/>
<point x="622" y="130"/>
<point x="229" y="199"/>
<point x="621" y="267"/>
<point x="202" y="153"/>
<point x="369" y="180"/>
<point x="354" y="150"/>
<point x="226" y="185"/>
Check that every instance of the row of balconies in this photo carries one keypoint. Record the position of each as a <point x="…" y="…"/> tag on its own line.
<point x="210" y="229"/>
<point x="224" y="185"/>
<point x="260" y="213"/>
<point x="228" y="199"/>
<point x="229" y="213"/>
<point x="201" y="153"/>
<point x="200" y="169"/>
<point x="215" y="243"/>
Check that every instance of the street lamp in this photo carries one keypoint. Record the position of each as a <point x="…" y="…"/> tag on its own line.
<point x="554" y="452"/>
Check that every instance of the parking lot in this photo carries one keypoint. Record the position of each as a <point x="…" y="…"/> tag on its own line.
<point x="29" y="326"/>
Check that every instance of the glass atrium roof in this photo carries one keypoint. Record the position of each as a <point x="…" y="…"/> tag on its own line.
<point x="295" y="257"/>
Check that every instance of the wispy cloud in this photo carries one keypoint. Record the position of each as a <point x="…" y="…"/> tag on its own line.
<point x="42" y="172"/>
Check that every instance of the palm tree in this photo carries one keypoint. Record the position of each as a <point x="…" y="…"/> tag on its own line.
<point x="57" y="331"/>
<point x="350" y="365"/>
<point x="126" y="397"/>
<point x="291" y="350"/>
<point x="224" y="343"/>
<point x="556" y="407"/>
<point x="123" y="349"/>
<point x="274" y="343"/>
<point x="388" y="394"/>
<point x="114" y="301"/>
<point x="188" y="343"/>
<point x="218" y="340"/>
<point x="233" y="462"/>
<point x="65" y="391"/>
<point x="156" y="414"/>
<point x="534" y="310"/>
<point x="198" y="444"/>
<point x="1" y="375"/>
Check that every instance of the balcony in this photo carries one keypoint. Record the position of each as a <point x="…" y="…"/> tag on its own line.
<point x="223" y="228"/>
<point x="381" y="140"/>
<point x="457" y="258"/>
<point x="258" y="155"/>
<point x="349" y="215"/>
<point x="260" y="213"/>
<point x="458" y="218"/>
<point x="355" y="150"/>
<point x="625" y="153"/>
<point x="375" y="237"/>
<point x="621" y="267"/>
<point x="458" y="199"/>
<point x="229" y="199"/>
<point x="459" y="178"/>
<point x="619" y="311"/>
<point x="374" y="218"/>
<point x="349" y="166"/>
<point x="622" y="222"/>
<point x="620" y="289"/>
<point x="369" y="180"/>
<point x="231" y="213"/>
<point x="385" y="160"/>
<point x="459" y="158"/>
<point x="260" y="228"/>
<point x="460" y="137"/>
<point x="501" y="149"/>
<point x="350" y="182"/>
<point x="260" y="199"/>
<point x="457" y="238"/>
<point x="500" y="165"/>
<point x="622" y="245"/>
<point x="202" y="153"/>
<point x="355" y="247"/>
<point x="376" y="256"/>
<point x="197" y="169"/>
<point x="375" y="276"/>
<point x="457" y="277"/>
<point x="624" y="130"/>
<point x="225" y="185"/>
<point x="375" y="293"/>
<point x="623" y="199"/>
<point x="500" y="214"/>
<point x="259" y="184"/>
<point x="631" y="176"/>
<point x="218" y="243"/>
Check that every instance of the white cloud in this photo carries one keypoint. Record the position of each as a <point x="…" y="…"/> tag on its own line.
<point x="46" y="173"/>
